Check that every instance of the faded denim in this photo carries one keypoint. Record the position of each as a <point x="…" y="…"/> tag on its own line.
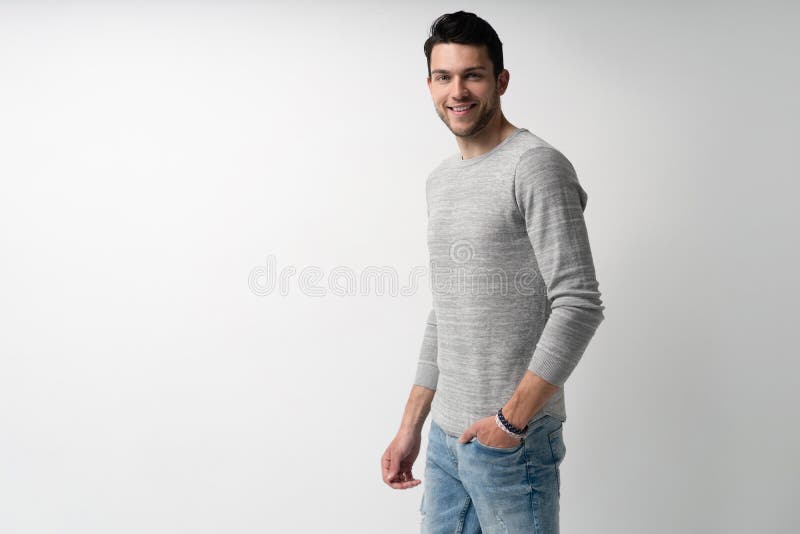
<point x="474" y="488"/>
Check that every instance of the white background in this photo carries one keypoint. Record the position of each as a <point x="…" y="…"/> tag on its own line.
<point x="154" y="155"/>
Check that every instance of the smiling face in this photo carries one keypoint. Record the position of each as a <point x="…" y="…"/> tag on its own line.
<point x="465" y="94"/>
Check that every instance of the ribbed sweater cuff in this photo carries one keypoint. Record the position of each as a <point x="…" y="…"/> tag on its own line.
<point x="550" y="368"/>
<point x="427" y="375"/>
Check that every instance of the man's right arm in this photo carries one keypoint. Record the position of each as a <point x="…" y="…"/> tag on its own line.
<point x="399" y="457"/>
<point x="417" y="408"/>
<point x="425" y="380"/>
<point x="427" y="366"/>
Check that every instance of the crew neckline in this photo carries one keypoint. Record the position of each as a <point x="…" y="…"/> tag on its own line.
<point x="471" y="161"/>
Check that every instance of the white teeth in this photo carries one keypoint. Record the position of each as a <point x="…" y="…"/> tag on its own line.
<point x="462" y="108"/>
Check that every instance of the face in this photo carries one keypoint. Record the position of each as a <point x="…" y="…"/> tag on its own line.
<point x="462" y="85"/>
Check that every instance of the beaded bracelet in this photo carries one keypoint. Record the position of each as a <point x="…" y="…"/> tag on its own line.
<point x="508" y="427"/>
<point x="504" y="429"/>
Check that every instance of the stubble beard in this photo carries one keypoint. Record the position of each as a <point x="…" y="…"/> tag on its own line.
<point x="480" y="123"/>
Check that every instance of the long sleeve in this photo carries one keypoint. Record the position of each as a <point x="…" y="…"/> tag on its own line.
<point x="552" y="201"/>
<point x="427" y="368"/>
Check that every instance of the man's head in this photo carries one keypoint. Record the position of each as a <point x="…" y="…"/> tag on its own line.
<point x="465" y="28"/>
<point x="465" y="72"/>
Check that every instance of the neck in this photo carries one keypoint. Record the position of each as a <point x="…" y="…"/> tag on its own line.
<point x="489" y="137"/>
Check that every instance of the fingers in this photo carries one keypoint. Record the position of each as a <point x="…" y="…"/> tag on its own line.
<point x="404" y="481"/>
<point x="392" y="475"/>
<point x="405" y="485"/>
<point x="401" y="480"/>
<point x="388" y="468"/>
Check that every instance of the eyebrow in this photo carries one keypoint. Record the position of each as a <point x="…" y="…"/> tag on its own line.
<point x="468" y="69"/>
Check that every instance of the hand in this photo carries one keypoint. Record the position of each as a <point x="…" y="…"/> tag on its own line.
<point x="488" y="433"/>
<point x="399" y="457"/>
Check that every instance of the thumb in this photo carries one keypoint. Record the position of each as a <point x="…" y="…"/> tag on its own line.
<point x="466" y="437"/>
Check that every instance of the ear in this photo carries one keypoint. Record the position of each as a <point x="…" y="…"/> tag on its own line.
<point x="502" y="81"/>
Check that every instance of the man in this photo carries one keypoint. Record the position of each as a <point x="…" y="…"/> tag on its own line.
<point x="515" y="304"/>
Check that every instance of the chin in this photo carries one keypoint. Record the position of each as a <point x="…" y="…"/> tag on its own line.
<point x="462" y="134"/>
<point x="468" y="131"/>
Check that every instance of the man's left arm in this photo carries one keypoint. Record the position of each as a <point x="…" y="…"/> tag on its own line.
<point x="552" y="202"/>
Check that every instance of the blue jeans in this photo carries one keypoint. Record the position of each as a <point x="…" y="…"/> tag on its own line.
<point x="473" y="488"/>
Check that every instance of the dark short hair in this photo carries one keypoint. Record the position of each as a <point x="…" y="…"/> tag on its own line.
<point x="465" y="28"/>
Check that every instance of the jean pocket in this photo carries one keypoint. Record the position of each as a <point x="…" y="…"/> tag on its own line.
<point x="556" y="439"/>
<point x="509" y="450"/>
<point x="558" y="451"/>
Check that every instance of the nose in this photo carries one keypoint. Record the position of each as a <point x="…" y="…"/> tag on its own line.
<point x="459" y="88"/>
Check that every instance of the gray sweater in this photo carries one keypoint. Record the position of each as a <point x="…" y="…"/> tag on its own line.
<point x="512" y="279"/>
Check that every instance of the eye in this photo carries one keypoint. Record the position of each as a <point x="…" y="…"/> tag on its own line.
<point x="474" y="75"/>
<point x="440" y="77"/>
